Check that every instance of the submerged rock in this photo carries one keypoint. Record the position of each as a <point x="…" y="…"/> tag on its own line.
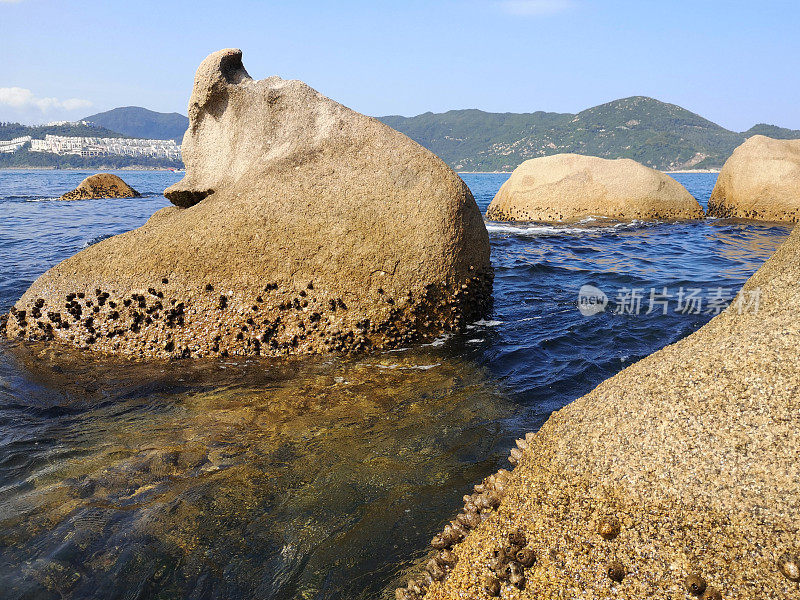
<point x="570" y="187"/>
<point x="694" y="451"/>
<point x="761" y="180"/>
<point x="102" y="185"/>
<point x="301" y="226"/>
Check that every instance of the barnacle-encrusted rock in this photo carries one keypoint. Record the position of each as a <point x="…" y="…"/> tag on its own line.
<point x="478" y="506"/>
<point x="516" y="574"/>
<point x="570" y="187"/>
<point x="789" y="567"/>
<point x="102" y="185"/>
<point x="517" y="538"/>
<point x="695" y="584"/>
<point x="609" y="528"/>
<point x="491" y="585"/>
<point x="526" y="557"/>
<point x="301" y="227"/>
<point x="446" y="558"/>
<point x="760" y="180"/>
<point x="694" y="449"/>
<point x="615" y="571"/>
<point x="712" y="594"/>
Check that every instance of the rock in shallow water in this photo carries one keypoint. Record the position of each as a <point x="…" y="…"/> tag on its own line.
<point x="570" y="187"/>
<point x="761" y="180"/>
<point x="694" y="450"/>
<point x="301" y="226"/>
<point x="102" y="185"/>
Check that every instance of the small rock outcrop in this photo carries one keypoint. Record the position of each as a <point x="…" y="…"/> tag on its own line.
<point x="570" y="187"/>
<point x="761" y="180"/>
<point x="102" y="185"/>
<point x="301" y="227"/>
<point x="676" y="478"/>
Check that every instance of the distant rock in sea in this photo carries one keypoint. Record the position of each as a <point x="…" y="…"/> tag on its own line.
<point x="676" y="478"/>
<point x="301" y="227"/>
<point x="102" y="185"/>
<point x="570" y="187"/>
<point x="761" y="180"/>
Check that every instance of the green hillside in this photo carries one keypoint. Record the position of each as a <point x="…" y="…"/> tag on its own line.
<point x="660" y="135"/>
<point x="9" y="131"/>
<point x="663" y="136"/>
<point x="142" y="123"/>
<point x="476" y="140"/>
<point x="773" y="131"/>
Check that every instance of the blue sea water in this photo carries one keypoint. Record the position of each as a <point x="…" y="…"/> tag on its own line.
<point x="311" y="478"/>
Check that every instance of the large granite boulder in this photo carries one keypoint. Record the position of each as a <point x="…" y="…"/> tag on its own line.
<point x="102" y="185"/>
<point x="570" y="187"/>
<point x="675" y="479"/>
<point x="301" y="227"/>
<point x="761" y="180"/>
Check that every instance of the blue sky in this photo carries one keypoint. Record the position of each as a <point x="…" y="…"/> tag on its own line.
<point x="734" y="62"/>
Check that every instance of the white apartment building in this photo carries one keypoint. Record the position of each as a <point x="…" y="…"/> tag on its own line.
<point x="95" y="146"/>
<point x="14" y="145"/>
<point x="56" y="123"/>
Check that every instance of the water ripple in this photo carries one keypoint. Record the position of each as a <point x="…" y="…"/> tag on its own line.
<point x="318" y="477"/>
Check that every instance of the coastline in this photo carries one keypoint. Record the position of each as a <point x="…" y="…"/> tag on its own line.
<point x="689" y="453"/>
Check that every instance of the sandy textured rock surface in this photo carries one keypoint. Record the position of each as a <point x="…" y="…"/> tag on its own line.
<point x="761" y="180"/>
<point x="694" y="453"/>
<point x="102" y="185"/>
<point x="570" y="187"/>
<point x="301" y="226"/>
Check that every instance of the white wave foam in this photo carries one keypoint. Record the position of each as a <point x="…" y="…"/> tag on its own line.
<point x="484" y="323"/>
<point x="528" y="319"/>
<point x="605" y="226"/>
<point x="97" y="239"/>
<point x="440" y="341"/>
<point x="407" y="367"/>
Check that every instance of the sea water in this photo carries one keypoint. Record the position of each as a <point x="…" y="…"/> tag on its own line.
<point x="312" y="477"/>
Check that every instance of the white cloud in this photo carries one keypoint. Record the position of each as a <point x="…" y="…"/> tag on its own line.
<point x="536" y="8"/>
<point x="24" y="99"/>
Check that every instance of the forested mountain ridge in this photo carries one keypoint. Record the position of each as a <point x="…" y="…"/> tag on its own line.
<point x="660" y="135"/>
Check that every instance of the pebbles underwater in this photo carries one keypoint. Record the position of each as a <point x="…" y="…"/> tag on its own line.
<point x="308" y="479"/>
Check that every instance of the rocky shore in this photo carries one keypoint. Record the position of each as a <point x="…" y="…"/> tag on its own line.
<point x="102" y="185"/>
<point x="677" y="478"/>
<point x="301" y="226"/>
<point x="570" y="187"/>
<point x="761" y="180"/>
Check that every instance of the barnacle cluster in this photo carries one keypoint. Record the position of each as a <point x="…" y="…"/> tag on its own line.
<point x="478" y="506"/>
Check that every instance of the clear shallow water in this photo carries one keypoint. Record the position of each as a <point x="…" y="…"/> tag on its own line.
<point x="312" y="478"/>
